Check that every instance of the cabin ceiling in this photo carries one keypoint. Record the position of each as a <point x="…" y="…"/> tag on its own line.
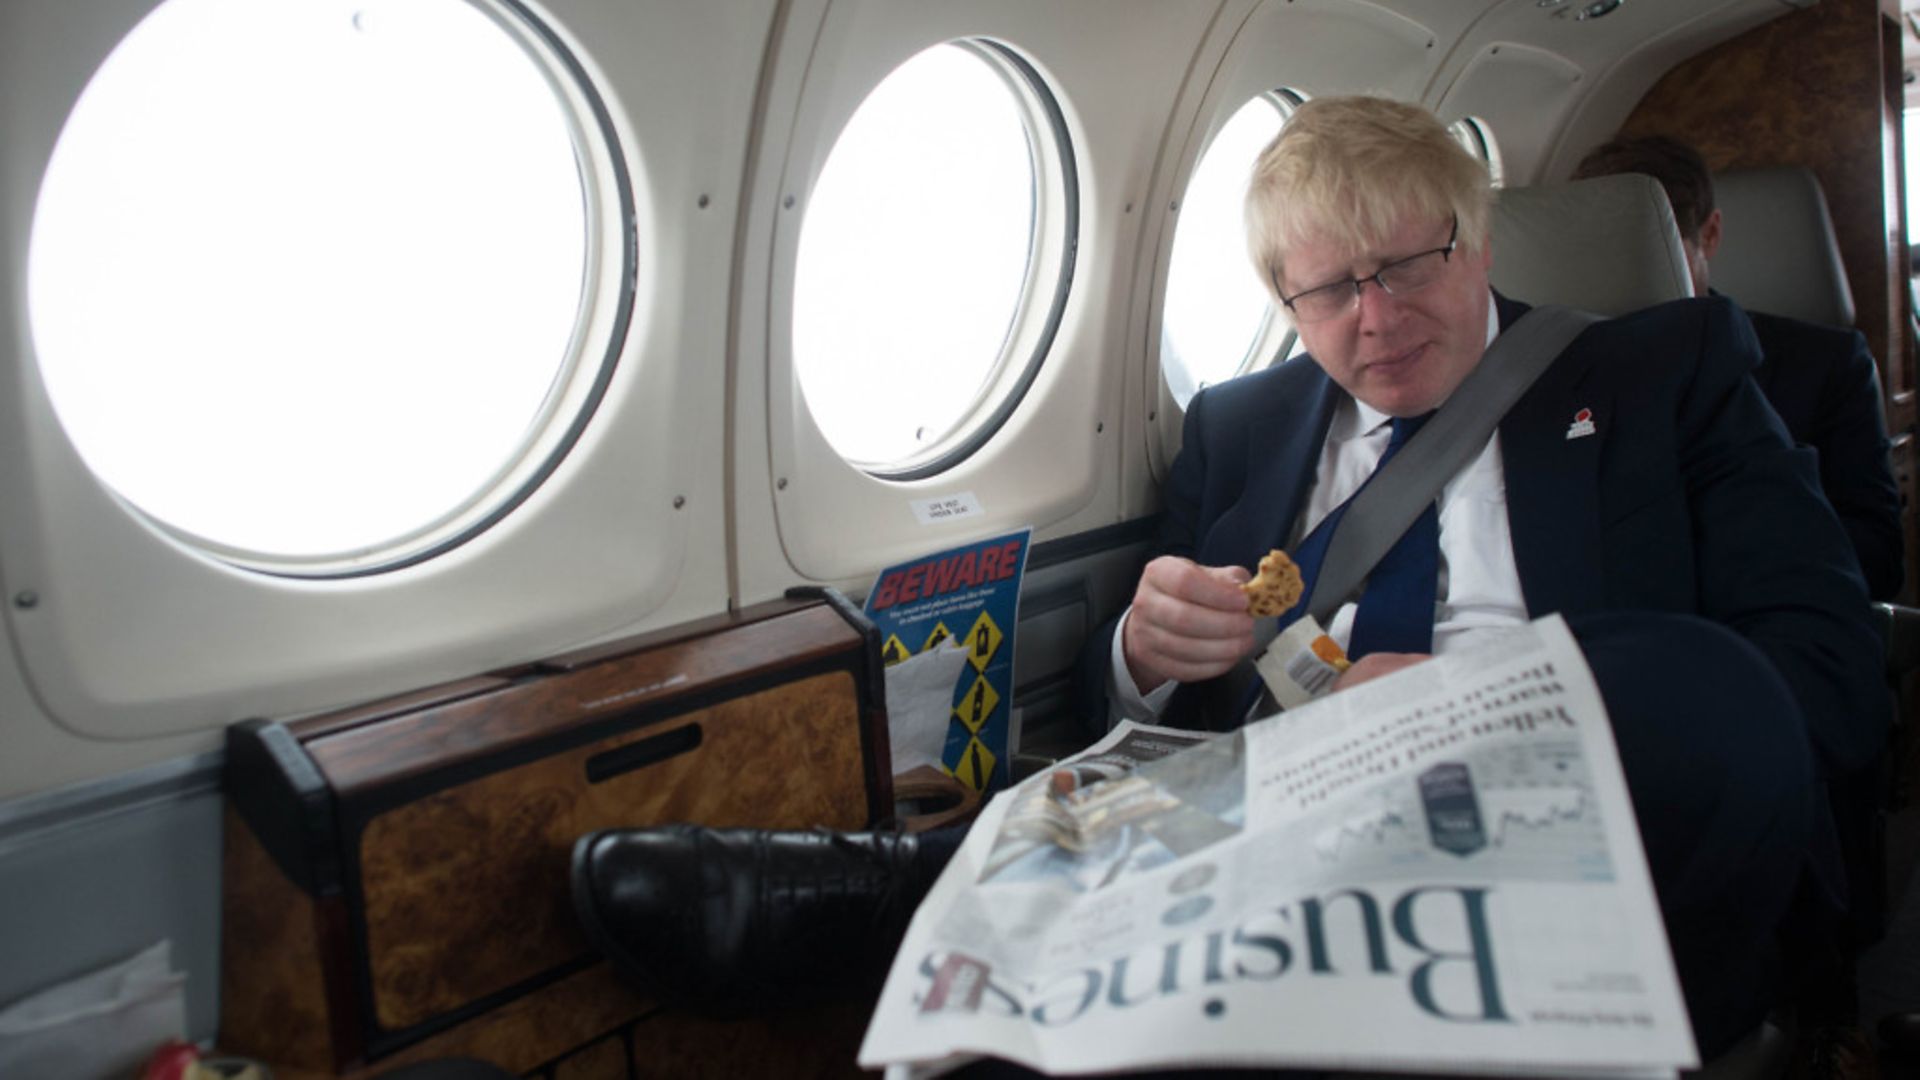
<point x="1578" y="69"/>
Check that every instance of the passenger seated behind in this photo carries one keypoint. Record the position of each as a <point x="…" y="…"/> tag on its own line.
<point x="1820" y="379"/>
<point x="1641" y="487"/>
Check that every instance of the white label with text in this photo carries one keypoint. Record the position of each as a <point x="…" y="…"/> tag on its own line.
<point x="946" y="508"/>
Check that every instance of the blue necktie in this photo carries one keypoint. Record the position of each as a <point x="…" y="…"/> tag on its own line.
<point x="1422" y="535"/>
<point x="1396" y="608"/>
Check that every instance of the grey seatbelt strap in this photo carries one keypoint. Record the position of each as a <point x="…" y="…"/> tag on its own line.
<point x="1453" y="437"/>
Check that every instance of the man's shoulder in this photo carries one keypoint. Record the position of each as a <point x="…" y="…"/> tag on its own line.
<point x="1694" y="314"/>
<point x="1784" y="335"/>
<point x="1701" y="333"/>
<point x="1819" y="377"/>
<point x="1673" y="323"/>
<point x="1677" y="350"/>
<point x="1787" y="324"/>
<point x="1292" y="382"/>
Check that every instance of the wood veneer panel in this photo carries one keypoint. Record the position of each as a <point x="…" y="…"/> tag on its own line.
<point x="818" y="1043"/>
<point x="524" y="1034"/>
<point x="465" y="890"/>
<point x="382" y="755"/>
<point x="811" y="1043"/>
<point x="272" y="995"/>
<point x="604" y="1060"/>
<point x="1803" y="89"/>
<point x="1819" y="88"/>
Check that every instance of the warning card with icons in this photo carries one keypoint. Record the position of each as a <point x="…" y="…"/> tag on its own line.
<point x="971" y="593"/>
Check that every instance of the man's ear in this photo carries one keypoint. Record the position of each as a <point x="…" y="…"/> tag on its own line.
<point x="1710" y="234"/>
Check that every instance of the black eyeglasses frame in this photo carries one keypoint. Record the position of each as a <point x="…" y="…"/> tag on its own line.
<point x="1445" y="251"/>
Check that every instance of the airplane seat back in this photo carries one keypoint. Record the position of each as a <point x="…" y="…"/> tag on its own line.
<point x="1607" y="245"/>
<point x="1778" y="254"/>
<point x="1777" y="249"/>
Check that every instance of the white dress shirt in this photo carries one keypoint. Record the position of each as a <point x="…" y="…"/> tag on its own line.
<point x="1479" y="588"/>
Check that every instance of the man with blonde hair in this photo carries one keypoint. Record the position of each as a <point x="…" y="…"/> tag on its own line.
<point x="1639" y="486"/>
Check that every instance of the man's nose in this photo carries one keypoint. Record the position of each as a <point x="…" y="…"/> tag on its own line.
<point x="1378" y="307"/>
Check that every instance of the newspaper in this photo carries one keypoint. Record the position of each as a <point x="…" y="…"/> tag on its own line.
<point x="1437" y="871"/>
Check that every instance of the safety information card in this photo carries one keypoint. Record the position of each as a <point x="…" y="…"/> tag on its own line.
<point x="971" y="593"/>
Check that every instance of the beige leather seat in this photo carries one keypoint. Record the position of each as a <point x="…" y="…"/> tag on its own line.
<point x="1609" y="245"/>
<point x="1777" y="251"/>
<point x="1778" y="254"/>
<point x="1606" y="245"/>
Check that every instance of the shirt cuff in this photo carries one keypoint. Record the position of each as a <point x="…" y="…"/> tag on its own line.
<point x="1124" y="699"/>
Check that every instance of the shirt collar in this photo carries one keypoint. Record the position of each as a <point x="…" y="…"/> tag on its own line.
<point x="1359" y="422"/>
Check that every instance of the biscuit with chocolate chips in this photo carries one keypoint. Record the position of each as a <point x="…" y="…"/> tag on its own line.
<point x="1276" y="588"/>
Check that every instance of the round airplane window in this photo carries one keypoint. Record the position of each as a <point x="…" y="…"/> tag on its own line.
<point x="934" y="260"/>
<point x="1218" y="319"/>
<point x="309" y="282"/>
<point x="1474" y="134"/>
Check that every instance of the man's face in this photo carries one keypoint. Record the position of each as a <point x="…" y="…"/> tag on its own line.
<point x="1402" y="354"/>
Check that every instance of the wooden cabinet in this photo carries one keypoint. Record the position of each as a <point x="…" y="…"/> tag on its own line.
<point x="396" y="875"/>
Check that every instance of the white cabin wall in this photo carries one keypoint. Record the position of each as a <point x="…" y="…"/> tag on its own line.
<point x="1317" y="47"/>
<point x="1115" y="69"/>
<point x="1150" y="411"/>
<point x="38" y="754"/>
<point x="1553" y="88"/>
<point x="131" y="679"/>
<point x="138" y="648"/>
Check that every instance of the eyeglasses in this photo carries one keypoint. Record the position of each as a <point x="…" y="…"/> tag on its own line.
<point x="1396" y="278"/>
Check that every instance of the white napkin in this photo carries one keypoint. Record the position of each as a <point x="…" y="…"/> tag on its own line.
<point x="920" y="702"/>
<point x="99" y="1026"/>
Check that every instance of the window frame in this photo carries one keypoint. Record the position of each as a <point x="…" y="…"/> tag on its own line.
<point x="1052" y="249"/>
<point x="124" y="632"/>
<point x="1274" y="339"/>
<point x="1477" y="136"/>
<point x="581" y="376"/>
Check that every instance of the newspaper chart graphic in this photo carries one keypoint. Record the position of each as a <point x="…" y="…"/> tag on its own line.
<point x="1528" y="811"/>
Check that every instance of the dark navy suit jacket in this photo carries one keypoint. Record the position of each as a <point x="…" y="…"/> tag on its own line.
<point x="1687" y="498"/>
<point x="1823" y="383"/>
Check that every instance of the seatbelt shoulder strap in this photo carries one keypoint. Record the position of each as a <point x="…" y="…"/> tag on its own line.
<point x="1406" y="485"/>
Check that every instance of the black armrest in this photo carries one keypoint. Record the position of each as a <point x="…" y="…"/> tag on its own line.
<point x="1900" y="633"/>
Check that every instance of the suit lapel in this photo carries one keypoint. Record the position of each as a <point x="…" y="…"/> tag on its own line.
<point x="1282" y="459"/>
<point x="1551" y="464"/>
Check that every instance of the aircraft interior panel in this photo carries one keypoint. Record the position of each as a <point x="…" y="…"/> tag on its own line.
<point x="1619" y="58"/>
<point x="1328" y="47"/>
<point x="1067" y="423"/>
<point x="707" y="432"/>
<point x="1546" y="80"/>
<point x="1555" y="83"/>
<point x="1272" y="48"/>
<point x="126" y="628"/>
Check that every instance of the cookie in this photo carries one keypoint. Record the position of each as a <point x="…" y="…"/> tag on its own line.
<point x="1276" y="588"/>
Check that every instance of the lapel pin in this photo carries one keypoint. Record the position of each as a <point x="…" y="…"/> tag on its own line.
<point x="1582" y="425"/>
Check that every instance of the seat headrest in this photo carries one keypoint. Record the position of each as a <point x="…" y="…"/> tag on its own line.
<point x="1777" y="249"/>
<point x="1606" y="245"/>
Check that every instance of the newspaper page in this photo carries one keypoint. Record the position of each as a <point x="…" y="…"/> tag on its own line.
<point x="1437" y="871"/>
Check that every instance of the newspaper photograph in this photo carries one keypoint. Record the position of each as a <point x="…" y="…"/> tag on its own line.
<point x="1436" y="871"/>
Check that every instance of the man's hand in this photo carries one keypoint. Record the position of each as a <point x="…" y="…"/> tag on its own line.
<point x="1187" y="622"/>
<point x="1374" y="665"/>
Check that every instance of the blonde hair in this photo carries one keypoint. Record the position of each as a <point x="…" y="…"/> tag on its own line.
<point x="1354" y="169"/>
